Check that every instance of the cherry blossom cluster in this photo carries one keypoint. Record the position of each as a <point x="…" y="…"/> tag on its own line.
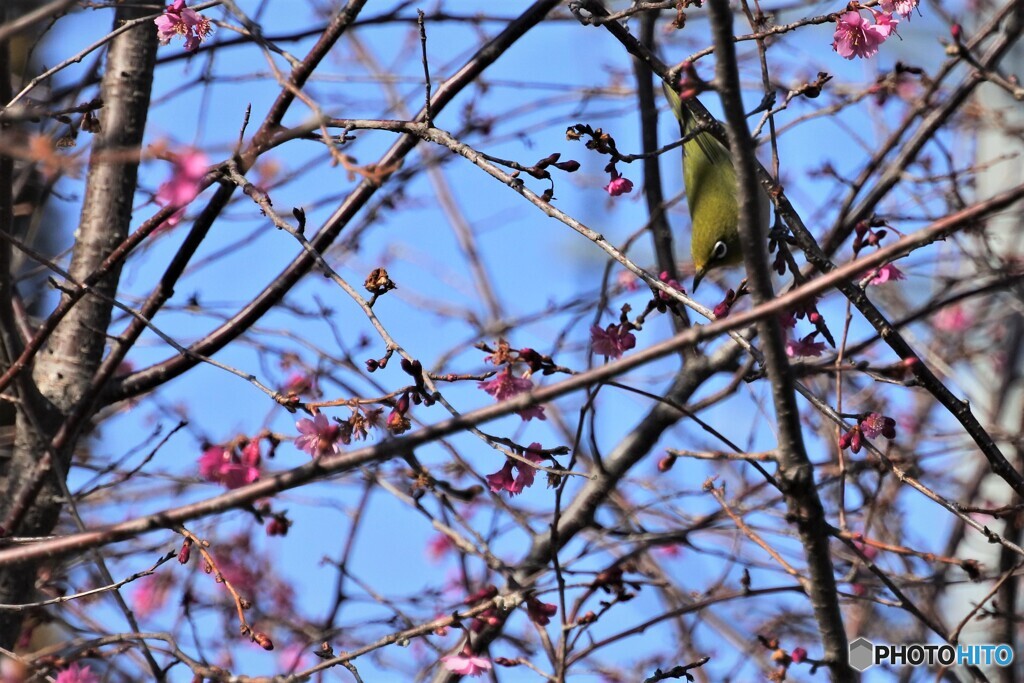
<point x="189" y="167"/>
<point x="612" y="341"/>
<point x="855" y="36"/>
<point x="467" y="662"/>
<point x="871" y="425"/>
<point x="603" y="143"/>
<point x="321" y="436"/>
<point x="515" y="475"/>
<point x="805" y="346"/>
<point x="671" y="282"/>
<point x="232" y="465"/>
<point x="179" y="20"/>
<point x="808" y="345"/>
<point x="505" y="384"/>
<point x="871" y="234"/>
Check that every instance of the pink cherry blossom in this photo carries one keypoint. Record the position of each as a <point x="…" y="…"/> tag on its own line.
<point x="525" y="473"/>
<point x="952" y="319"/>
<point x="466" y="665"/>
<point x="300" y="383"/>
<point x="536" y="411"/>
<point x="805" y="347"/>
<point x="239" y="574"/>
<point x="885" y="24"/>
<point x="868" y="551"/>
<point x="210" y="462"/>
<point x="628" y="281"/>
<point x="901" y="7"/>
<point x="150" y="594"/>
<point x="671" y="282"/>
<point x="319" y="436"/>
<point x="798" y="655"/>
<point x="887" y="273"/>
<point x="876" y="424"/>
<point x="438" y="546"/>
<point x="226" y="467"/>
<point x="612" y="341"/>
<point x="178" y="20"/>
<point x="503" y="480"/>
<point x="854" y="37"/>
<point x="76" y="674"/>
<point x="189" y="170"/>
<point x="505" y="385"/>
<point x="619" y="186"/>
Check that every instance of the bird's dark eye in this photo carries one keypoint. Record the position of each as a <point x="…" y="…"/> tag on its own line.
<point x="720" y="250"/>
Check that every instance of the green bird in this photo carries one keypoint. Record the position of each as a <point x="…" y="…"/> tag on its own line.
<point x="711" y="196"/>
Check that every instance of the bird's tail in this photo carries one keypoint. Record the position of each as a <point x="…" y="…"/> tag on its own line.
<point x="704" y="141"/>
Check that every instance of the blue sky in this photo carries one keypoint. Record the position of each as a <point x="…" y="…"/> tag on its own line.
<point x="534" y="262"/>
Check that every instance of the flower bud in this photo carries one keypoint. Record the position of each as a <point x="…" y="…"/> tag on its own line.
<point x="186" y="551"/>
<point x="263" y="640"/>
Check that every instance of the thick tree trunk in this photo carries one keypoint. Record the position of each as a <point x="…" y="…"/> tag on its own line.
<point x="65" y="367"/>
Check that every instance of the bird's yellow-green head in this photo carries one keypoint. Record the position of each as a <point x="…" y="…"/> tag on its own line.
<point x="710" y="181"/>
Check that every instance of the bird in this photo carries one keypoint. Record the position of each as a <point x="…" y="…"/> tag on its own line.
<point x="710" y="181"/>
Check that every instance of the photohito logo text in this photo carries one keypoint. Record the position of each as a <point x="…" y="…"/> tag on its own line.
<point x="865" y="654"/>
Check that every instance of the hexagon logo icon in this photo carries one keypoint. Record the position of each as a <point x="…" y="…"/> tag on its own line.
<point x="862" y="654"/>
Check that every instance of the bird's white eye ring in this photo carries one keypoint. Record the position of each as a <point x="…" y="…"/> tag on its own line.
<point x="720" y="250"/>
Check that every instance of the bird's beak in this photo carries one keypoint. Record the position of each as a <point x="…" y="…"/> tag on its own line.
<point x="697" y="277"/>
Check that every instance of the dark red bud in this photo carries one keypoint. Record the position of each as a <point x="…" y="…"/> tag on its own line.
<point x="186" y="552"/>
<point x="263" y="640"/>
<point x="412" y="367"/>
<point x="548" y="160"/>
<point x="485" y="593"/>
